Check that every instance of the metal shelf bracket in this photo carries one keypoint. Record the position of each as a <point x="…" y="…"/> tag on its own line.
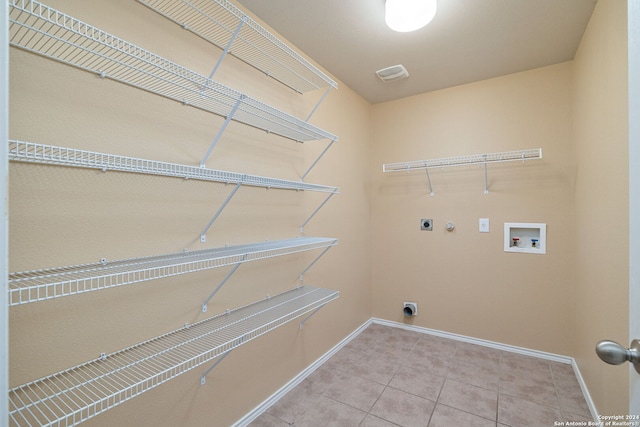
<point x="228" y="46"/>
<point x="221" y="130"/>
<point x="312" y="263"/>
<point x="431" y="193"/>
<point x="324" y="95"/>
<point x="318" y="159"/>
<point x="309" y="316"/>
<point x="203" y="234"/>
<point x="203" y="377"/>
<point x="317" y="210"/>
<point x="227" y="277"/>
<point x="486" y="185"/>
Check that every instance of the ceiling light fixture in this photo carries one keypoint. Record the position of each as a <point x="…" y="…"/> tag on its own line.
<point x="409" y="15"/>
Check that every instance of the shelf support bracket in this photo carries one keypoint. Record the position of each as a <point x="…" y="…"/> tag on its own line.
<point x="486" y="185"/>
<point x="310" y="315"/>
<point x="221" y="131"/>
<point x="227" y="277"/>
<point x="326" y="92"/>
<point x="203" y="234"/>
<point x="203" y="377"/>
<point x="429" y="181"/>
<point x="319" y="157"/>
<point x="313" y="262"/>
<point x="316" y="211"/>
<point x="227" y="48"/>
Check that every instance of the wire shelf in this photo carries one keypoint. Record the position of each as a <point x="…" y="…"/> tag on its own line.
<point x="82" y="392"/>
<point x="39" y="285"/>
<point x="31" y="152"/>
<point x="216" y="21"/>
<point x="40" y="29"/>
<point x="507" y="156"/>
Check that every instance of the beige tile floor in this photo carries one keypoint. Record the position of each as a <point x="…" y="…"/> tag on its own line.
<point x="388" y="377"/>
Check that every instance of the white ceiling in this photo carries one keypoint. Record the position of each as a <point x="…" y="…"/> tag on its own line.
<point x="468" y="40"/>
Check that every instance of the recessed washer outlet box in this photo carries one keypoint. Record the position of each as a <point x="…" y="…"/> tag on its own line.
<point x="426" y="224"/>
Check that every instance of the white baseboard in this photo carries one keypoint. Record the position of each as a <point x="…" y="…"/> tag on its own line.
<point x="499" y="346"/>
<point x="261" y="408"/>
<point x="271" y="400"/>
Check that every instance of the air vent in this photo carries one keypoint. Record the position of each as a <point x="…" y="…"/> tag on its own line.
<point x="395" y="72"/>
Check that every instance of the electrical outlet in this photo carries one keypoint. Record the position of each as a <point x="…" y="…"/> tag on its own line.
<point x="426" y="224"/>
<point x="484" y="225"/>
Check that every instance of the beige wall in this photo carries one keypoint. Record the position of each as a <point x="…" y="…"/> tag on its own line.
<point x="463" y="281"/>
<point x="600" y="126"/>
<point x="65" y="216"/>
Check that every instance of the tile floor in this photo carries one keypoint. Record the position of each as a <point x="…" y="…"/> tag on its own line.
<point x="388" y="377"/>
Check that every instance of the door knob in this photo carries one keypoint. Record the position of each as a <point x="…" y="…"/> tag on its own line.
<point x="614" y="354"/>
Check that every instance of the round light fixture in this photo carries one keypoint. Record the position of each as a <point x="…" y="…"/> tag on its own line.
<point x="409" y="15"/>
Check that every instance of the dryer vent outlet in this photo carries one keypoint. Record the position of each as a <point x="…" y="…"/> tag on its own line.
<point x="410" y="309"/>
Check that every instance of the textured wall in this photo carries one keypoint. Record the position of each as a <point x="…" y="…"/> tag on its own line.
<point x="66" y="216"/>
<point x="463" y="280"/>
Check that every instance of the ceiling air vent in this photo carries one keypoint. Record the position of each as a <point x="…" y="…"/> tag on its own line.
<point x="390" y="74"/>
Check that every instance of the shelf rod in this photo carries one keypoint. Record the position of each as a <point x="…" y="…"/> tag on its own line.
<point x="318" y="159"/>
<point x="227" y="277"/>
<point x="227" y="47"/>
<point x="326" y="92"/>
<point x="312" y="263"/>
<point x="203" y="234"/>
<point x="316" y="211"/>
<point x="221" y="130"/>
<point x="203" y="377"/>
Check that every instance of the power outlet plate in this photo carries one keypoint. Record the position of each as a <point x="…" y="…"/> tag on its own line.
<point x="484" y="225"/>
<point x="426" y="224"/>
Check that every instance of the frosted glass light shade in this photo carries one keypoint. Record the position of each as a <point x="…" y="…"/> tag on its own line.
<point x="409" y="15"/>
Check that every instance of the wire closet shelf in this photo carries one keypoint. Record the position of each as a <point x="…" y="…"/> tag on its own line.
<point x="43" y="30"/>
<point x="31" y="152"/>
<point x="39" y="285"/>
<point x="476" y="159"/>
<point x="82" y="392"/>
<point x="227" y="27"/>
